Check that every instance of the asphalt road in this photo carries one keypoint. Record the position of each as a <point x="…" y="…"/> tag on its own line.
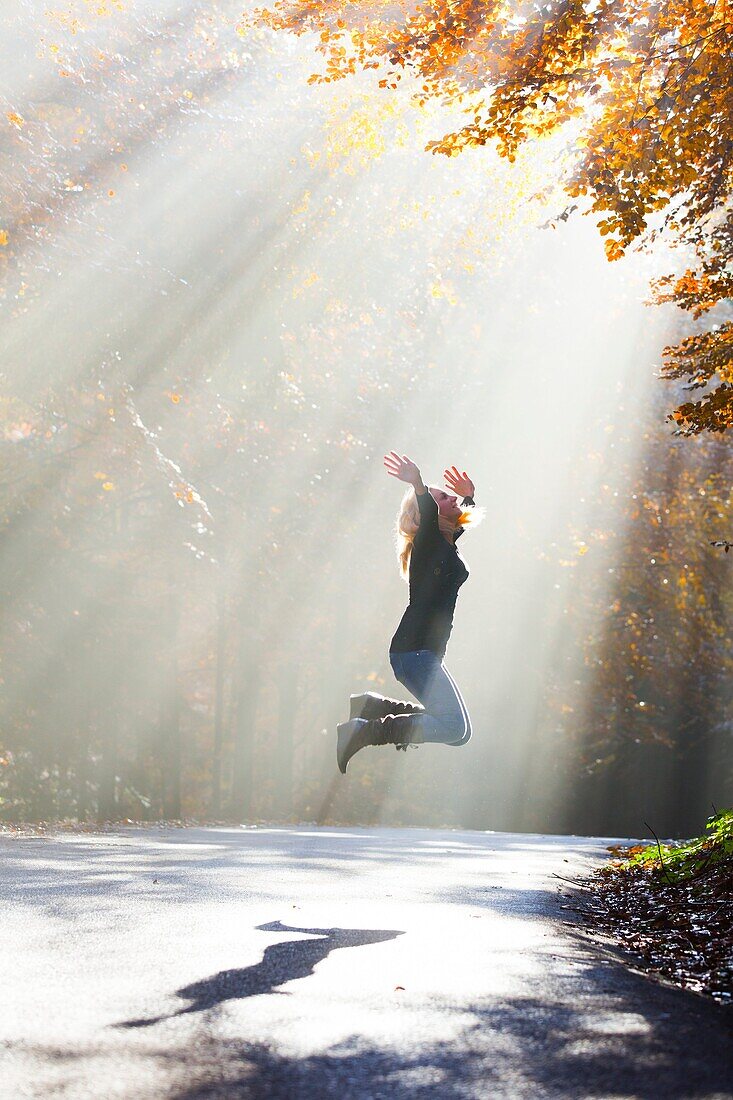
<point x="317" y="963"/>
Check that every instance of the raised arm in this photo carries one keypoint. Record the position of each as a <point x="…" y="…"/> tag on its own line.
<point x="460" y="484"/>
<point x="404" y="469"/>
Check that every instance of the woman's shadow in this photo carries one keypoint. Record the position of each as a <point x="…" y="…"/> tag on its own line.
<point x="281" y="963"/>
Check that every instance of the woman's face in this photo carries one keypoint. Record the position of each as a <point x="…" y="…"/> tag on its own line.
<point x="447" y="503"/>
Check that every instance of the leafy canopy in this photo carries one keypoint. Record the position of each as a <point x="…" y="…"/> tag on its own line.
<point x="650" y="87"/>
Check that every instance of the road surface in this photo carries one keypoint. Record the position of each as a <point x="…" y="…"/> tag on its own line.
<point x="314" y="963"/>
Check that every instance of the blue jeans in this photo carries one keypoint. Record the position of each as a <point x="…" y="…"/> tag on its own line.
<point x="445" y="719"/>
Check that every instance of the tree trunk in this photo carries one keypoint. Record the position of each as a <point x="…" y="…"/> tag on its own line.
<point x="287" y="709"/>
<point x="245" y="710"/>
<point x="171" y="731"/>
<point x="218" y="706"/>
<point x="107" y="806"/>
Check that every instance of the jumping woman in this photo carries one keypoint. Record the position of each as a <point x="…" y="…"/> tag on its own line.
<point x="429" y="523"/>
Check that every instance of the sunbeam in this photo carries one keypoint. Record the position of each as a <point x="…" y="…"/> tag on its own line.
<point x="227" y="293"/>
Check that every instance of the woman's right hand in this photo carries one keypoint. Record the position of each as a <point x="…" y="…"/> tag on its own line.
<point x="402" y="468"/>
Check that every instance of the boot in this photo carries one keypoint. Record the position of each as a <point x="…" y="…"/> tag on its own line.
<point x="371" y="705"/>
<point x="360" y="732"/>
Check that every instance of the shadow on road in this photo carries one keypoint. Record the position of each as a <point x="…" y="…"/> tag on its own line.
<point x="643" y="1043"/>
<point x="516" y="1049"/>
<point x="281" y="963"/>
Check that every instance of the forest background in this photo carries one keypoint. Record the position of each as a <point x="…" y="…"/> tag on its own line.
<point x="227" y="294"/>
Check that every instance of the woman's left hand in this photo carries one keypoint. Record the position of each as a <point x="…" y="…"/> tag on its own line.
<point x="459" y="483"/>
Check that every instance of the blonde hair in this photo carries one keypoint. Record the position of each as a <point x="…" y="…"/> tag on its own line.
<point x="407" y="525"/>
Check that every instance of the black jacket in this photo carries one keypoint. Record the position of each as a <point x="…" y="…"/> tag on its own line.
<point x="436" y="574"/>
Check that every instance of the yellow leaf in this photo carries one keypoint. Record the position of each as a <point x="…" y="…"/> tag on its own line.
<point x="614" y="250"/>
<point x="303" y="204"/>
<point x="108" y="486"/>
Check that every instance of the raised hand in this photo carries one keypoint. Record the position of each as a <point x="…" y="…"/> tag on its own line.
<point x="460" y="484"/>
<point x="402" y="468"/>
